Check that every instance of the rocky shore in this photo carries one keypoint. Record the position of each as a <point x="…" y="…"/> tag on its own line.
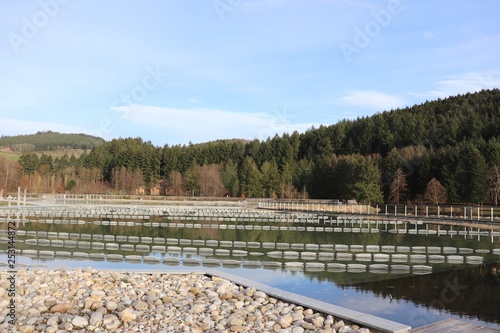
<point x="89" y="300"/>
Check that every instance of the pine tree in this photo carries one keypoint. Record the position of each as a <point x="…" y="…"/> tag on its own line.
<point x="192" y="179"/>
<point x="367" y="188"/>
<point x="250" y="179"/>
<point x="230" y="178"/>
<point x="270" y="178"/>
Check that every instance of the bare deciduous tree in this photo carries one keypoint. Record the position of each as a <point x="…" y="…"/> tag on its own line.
<point x="10" y="174"/>
<point x="211" y="184"/>
<point x="175" y="184"/>
<point x="125" y="180"/>
<point x="399" y="187"/>
<point x="435" y="192"/>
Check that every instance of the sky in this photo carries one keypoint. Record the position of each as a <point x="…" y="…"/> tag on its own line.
<point x="180" y="71"/>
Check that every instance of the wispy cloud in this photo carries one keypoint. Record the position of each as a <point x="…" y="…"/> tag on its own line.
<point x="462" y="83"/>
<point x="373" y="100"/>
<point x="203" y="124"/>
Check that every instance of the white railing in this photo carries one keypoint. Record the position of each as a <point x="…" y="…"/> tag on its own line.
<point x="454" y="212"/>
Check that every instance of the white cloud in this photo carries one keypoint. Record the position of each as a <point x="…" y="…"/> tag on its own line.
<point x="203" y="124"/>
<point x="10" y="126"/>
<point x="463" y="83"/>
<point x="469" y="82"/>
<point x="373" y="100"/>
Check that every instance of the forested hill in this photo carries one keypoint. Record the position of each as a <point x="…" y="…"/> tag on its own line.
<point x="449" y="146"/>
<point x="50" y="141"/>
<point x="444" y="122"/>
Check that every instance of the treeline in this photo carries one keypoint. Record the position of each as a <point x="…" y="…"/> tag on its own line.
<point x="10" y="175"/>
<point x="49" y="141"/>
<point x="444" y="150"/>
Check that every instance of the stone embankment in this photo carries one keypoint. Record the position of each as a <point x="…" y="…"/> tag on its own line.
<point x="89" y="300"/>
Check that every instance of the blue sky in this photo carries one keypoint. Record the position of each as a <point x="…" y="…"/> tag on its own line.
<point x="174" y="71"/>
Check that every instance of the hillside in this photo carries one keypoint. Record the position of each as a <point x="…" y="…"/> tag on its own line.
<point x="439" y="123"/>
<point x="10" y="155"/>
<point x="393" y="156"/>
<point x="48" y="141"/>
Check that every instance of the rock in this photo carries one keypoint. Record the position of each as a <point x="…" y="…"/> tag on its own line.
<point x="236" y="322"/>
<point x="109" y="318"/>
<point x="67" y="326"/>
<point x="198" y="308"/>
<point x="79" y="322"/>
<point x="51" y="329"/>
<point x="88" y="303"/>
<point x="113" y="325"/>
<point x="127" y="315"/>
<point x="111" y="306"/>
<point x="285" y="321"/>
<point x="98" y="301"/>
<point x="111" y="322"/>
<point x="307" y="326"/>
<point x="61" y="308"/>
<point x="345" y="329"/>
<point x="50" y="302"/>
<point x="318" y="322"/>
<point x="329" y="320"/>
<point x="25" y="329"/>
<point x="97" y="295"/>
<point x="96" y="319"/>
<point x="141" y="306"/>
<point x="338" y="325"/>
<point x="297" y="316"/>
<point x="53" y="321"/>
<point x="96" y="305"/>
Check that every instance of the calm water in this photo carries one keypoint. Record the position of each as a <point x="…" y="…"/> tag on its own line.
<point x="461" y="290"/>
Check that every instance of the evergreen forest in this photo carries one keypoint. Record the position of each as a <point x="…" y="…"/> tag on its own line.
<point x="447" y="150"/>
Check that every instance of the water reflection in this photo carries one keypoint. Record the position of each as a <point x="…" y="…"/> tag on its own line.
<point x="295" y="257"/>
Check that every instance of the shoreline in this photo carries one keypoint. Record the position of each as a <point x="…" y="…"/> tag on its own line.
<point x="90" y="300"/>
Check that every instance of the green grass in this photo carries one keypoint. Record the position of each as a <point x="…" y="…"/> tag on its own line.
<point x="61" y="152"/>
<point x="14" y="156"/>
<point x="10" y="156"/>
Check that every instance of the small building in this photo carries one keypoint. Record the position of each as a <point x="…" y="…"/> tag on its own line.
<point x="141" y="190"/>
<point x="156" y="190"/>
